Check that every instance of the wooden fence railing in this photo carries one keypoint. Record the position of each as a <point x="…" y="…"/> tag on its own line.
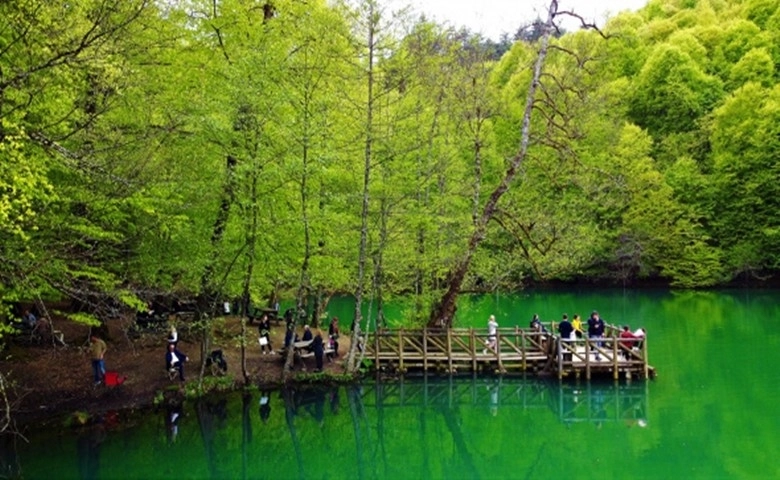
<point x="513" y="349"/>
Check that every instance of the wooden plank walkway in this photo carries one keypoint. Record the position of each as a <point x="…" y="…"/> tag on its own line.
<point x="516" y="350"/>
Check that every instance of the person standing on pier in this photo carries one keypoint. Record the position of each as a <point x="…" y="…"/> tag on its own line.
<point x="640" y="334"/>
<point x="627" y="342"/>
<point x="577" y="324"/>
<point x="492" y="331"/>
<point x="596" y="330"/>
<point x="565" y="328"/>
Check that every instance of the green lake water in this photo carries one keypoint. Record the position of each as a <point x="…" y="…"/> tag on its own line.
<point x="712" y="412"/>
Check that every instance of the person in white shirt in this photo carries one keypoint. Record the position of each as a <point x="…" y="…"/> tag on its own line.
<point x="175" y="359"/>
<point x="492" y="330"/>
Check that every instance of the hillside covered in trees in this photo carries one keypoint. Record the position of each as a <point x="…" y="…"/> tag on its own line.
<point x="278" y="148"/>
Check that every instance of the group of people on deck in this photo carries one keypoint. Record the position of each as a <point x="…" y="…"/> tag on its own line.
<point x="317" y="344"/>
<point x="574" y="329"/>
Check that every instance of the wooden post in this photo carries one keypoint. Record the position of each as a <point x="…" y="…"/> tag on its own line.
<point x="473" y="348"/>
<point x="524" y="350"/>
<point x="425" y="350"/>
<point x="644" y="357"/>
<point x="559" y="344"/>
<point x="401" y="350"/>
<point x="615" y="368"/>
<point x="449" y="348"/>
<point x="376" y="348"/>
<point x="498" y="352"/>
<point x="587" y="358"/>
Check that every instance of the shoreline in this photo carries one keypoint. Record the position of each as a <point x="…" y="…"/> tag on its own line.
<point x="46" y="383"/>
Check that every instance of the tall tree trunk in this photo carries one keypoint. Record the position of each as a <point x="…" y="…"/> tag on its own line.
<point x="302" y="296"/>
<point x="379" y="270"/>
<point x="444" y="311"/>
<point x="322" y="298"/>
<point x="206" y="303"/>
<point x="378" y="254"/>
<point x="369" y="141"/>
<point x="304" y="287"/>
<point x="477" y="144"/>
<point x="251" y="240"/>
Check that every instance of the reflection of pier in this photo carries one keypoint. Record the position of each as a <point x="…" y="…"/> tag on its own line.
<point x="572" y="403"/>
<point x="512" y="349"/>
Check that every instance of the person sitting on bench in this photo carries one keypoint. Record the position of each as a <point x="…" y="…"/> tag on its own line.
<point x="216" y="361"/>
<point x="29" y="320"/>
<point x="175" y="359"/>
<point x="307" y="337"/>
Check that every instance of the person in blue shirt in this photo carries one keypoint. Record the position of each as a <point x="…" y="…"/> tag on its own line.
<point x="29" y="320"/>
<point x="596" y="330"/>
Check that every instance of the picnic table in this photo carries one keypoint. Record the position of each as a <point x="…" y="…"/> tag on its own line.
<point x="301" y="352"/>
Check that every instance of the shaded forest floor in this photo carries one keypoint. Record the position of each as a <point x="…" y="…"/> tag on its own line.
<point x="49" y="381"/>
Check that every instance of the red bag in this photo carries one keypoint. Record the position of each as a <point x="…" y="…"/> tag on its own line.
<point x="113" y="379"/>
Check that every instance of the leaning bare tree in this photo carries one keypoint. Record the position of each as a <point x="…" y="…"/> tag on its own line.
<point x="443" y="311"/>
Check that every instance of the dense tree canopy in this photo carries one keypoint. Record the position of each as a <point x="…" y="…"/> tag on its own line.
<point x="249" y="148"/>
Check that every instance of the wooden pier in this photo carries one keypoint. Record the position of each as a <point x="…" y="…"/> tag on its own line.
<point x="516" y="350"/>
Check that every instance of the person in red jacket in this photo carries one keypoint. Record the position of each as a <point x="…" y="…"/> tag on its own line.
<point x="628" y="342"/>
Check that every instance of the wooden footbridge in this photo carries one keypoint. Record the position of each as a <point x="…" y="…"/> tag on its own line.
<point x="515" y="350"/>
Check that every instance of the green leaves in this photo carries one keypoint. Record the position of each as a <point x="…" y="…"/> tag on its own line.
<point x="654" y="154"/>
<point x="671" y="92"/>
<point x="745" y="148"/>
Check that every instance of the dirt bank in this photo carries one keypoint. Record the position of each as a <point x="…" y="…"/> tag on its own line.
<point x="48" y="381"/>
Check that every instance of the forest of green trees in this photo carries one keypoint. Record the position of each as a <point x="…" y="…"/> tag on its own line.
<point x="278" y="148"/>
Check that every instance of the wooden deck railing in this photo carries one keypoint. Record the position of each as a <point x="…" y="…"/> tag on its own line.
<point x="514" y="349"/>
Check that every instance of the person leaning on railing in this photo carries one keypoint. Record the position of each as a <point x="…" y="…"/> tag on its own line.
<point x="640" y="333"/>
<point x="596" y="330"/>
<point x="627" y="342"/>
<point x="565" y="328"/>
<point x="577" y="324"/>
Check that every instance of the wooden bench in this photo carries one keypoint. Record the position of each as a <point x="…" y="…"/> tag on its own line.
<point x="328" y="352"/>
